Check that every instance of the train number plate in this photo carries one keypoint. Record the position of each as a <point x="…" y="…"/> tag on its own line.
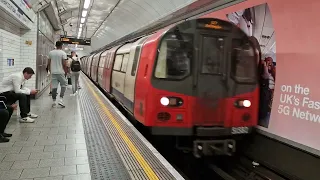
<point x="240" y="130"/>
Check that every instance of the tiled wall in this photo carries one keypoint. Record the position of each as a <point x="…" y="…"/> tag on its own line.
<point x="12" y="45"/>
<point x="28" y="53"/>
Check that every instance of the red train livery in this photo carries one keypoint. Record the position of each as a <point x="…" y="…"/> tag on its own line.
<point x="195" y="79"/>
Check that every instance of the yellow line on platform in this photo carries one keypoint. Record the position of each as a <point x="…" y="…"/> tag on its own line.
<point x="145" y="166"/>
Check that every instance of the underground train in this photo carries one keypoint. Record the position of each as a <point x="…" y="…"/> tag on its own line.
<point x="194" y="79"/>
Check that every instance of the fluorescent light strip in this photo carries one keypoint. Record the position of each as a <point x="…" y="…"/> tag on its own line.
<point x="82" y="20"/>
<point x="84" y="13"/>
<point x="81" y="25"/>
<point x="86" y="4"/>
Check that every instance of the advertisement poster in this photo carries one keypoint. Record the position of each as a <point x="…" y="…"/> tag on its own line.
<point x="288" y="70"/>
<point x="257" y="22"/>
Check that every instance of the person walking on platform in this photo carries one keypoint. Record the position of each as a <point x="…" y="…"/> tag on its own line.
<point x="75" y="73"/>
<point x="58" y="68"/>
<point x="13" y="88"/>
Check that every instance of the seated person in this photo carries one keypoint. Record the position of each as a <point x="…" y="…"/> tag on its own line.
<point x="6" y="111"/>
<point x="12" y="87"/>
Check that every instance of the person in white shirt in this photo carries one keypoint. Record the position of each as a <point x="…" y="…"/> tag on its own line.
<point x="58" y="67"/>
<point x="13" y="88"/>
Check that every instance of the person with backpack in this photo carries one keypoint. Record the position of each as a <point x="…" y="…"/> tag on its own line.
<point x="75" y="68"/>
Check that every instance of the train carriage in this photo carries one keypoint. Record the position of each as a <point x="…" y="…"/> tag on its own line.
<point x="197" y="78"/>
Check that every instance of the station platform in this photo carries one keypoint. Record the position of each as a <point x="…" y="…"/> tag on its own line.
<point x="89" y="139"/>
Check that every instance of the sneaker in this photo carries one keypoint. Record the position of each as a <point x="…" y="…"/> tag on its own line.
<point x="6" y="135"/>
<point x="26" y="120"/>
<point x="3" y="139"/>
<point x="74" y="94"/>
<point x="54" y="104"/>
<point x="31" y="115"/>
<point x="61" y="103"/>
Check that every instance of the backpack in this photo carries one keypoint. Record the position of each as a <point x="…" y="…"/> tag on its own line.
<point x="75" y="66"/>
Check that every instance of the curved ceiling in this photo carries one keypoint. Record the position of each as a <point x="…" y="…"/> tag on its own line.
<point x="108" y="20"/>
<point x="131" y="15"/>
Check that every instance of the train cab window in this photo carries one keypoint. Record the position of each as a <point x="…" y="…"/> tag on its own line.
<point x="174" y="56"/>
<point x="212" y="55"/>
<point x="125" y="63"/>
<point x="243" y="68"/>
<point x="118" y="62"/>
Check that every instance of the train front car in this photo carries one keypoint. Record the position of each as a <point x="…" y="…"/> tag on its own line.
<point x="204" y="85"/>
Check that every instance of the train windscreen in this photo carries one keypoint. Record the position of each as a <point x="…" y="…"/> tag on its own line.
<point x="243" y="66"/>
<point x="174" y="56"/>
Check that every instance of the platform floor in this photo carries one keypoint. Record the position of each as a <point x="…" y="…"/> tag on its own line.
<point x="89" y="139"/>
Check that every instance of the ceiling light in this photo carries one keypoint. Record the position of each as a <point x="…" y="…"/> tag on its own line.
<point x="81" y="25"/>
<point x="82" y="20"/>
<point x="86" y="4"/>
<point x="80" y="29"/>
<point x="84" y="13"/>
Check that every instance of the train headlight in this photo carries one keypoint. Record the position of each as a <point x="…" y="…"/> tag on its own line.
<point x="243" y="103"/>
<point x="246" y="103"/>
<point x="171" y="101"/>
<point x="164" y="101"/>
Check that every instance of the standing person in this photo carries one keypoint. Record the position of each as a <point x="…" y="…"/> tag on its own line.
<point x="58" y="68"/>
<point x="75" y="72"/>
<point x="13" y="88"/>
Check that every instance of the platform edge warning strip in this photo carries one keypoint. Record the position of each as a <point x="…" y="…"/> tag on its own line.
<point x="143" y="163"/>
<point x="104" y="161"/>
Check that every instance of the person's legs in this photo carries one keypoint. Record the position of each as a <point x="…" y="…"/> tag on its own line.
<point x="77" y="74"/>
<point x="4" y="115"/>
<point x="54" y="84"/>
<point x="11" y="97"/>
<point x="5" y="122"/>
<point x="63" y="83"/>
<point x="24" y="105"/>
<point x="74" y="83"/>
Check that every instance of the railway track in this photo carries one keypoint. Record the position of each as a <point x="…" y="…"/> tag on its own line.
<point x="242" y="168"/>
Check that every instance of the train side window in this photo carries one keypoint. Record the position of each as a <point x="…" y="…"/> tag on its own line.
<point x="102" y="61"/>
<point x="107" y="60"/>
<point x="212" y="55"/>
<point x="110" y="59"/>
<point x="118" y="62"/>
<point x="125" y="63"/>
<point x="243" y="68"/>
<point x="174" y="56"/>
<point x="135" y="60"/>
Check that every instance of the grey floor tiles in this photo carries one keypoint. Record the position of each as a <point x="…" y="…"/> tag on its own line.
<point x="52" y="148"/>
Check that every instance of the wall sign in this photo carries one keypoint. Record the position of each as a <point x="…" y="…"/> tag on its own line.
<point x="72" y="40"/>
<point x="12" y="9"/>
<point x="10" y="62"/>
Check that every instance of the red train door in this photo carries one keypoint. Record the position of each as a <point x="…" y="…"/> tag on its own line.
<point x="210" y="77"/>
